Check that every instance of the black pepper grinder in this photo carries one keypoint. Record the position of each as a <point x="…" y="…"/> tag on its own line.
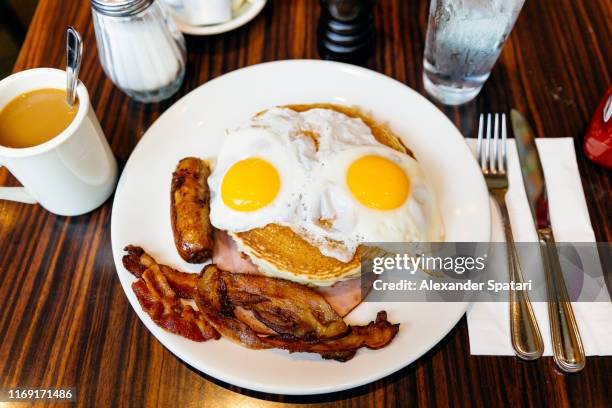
<point x="346" y="30"/>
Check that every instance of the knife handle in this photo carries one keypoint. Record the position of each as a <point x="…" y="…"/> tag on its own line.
<point x="524" y="331"/>
<point x="567" y="346"/>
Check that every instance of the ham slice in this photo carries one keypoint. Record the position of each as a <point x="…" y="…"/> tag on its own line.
<point x="227" y="256"/>
<point x="342" y="296"/>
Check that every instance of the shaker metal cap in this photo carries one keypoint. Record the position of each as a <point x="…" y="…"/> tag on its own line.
<point x="120" y="8"/>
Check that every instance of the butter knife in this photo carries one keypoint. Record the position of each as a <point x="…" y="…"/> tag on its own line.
<point x="567" y="346"/>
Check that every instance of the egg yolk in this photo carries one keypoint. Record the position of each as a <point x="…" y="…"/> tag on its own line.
<point x="250" y="184"/>
<point x="378" y="183"/>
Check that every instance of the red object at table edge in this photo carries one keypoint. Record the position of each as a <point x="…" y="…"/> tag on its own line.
<point x="598" y="138"/>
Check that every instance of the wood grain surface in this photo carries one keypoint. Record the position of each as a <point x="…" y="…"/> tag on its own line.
<point x="65" y="321"/>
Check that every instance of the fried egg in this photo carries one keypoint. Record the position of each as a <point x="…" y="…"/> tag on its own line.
<point x="256" y="180"/>
<point x="367" y="194"/>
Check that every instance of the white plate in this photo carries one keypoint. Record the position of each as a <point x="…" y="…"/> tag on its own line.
<point x="195" y="126"/>
<point x="240" y="17"/>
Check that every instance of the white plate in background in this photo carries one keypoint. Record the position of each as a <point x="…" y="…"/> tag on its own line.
<point x="248" y="11"/>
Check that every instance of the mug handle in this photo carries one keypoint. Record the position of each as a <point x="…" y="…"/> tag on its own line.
<point x="19" y="194"/>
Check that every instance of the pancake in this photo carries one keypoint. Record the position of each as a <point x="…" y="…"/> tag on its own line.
<point x="277" y="251"/>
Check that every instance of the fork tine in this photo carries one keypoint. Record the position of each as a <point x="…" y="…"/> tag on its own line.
<point x="486" y="167"/>
<point x="479" y="144"/>
<point x="493" y="165"/>
<point x="503" y="163"/>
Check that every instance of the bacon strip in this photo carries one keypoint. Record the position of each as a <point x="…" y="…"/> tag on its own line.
<point x="212" y="302"/>
<point x="161" y="299"/>
<point x="284" y="306"/>
<point x="137" y="261"/>
<point x="374" y="335"/>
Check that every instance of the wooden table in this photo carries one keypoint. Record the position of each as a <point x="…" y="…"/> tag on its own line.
<point x="65" y="321"/>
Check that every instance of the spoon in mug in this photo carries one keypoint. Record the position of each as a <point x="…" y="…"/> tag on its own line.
<point x="74" y="51"/>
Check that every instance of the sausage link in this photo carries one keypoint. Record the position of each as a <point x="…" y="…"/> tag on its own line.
<point x="190" y="210"/>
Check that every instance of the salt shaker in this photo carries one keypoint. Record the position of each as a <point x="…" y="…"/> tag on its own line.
<point x="139" y="47"/>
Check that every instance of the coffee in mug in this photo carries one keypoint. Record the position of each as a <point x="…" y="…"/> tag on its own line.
<point x="35" y="117"/>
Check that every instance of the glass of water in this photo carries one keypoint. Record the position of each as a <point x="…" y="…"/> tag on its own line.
<point x="464" y="40"/>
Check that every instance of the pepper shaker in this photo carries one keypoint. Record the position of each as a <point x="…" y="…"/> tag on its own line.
<point x="346" y="30"/>
<point x="139" y="47"/>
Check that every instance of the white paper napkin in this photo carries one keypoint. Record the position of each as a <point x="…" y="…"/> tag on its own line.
<point x="488" y="323"/>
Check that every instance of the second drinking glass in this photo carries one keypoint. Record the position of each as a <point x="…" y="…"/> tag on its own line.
<point x="464" y="40"/>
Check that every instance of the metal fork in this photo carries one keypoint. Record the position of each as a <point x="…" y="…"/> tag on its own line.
<point x="525" y="333"/>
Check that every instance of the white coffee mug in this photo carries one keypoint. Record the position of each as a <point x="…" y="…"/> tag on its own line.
<point x="71" y="174"/>
<point x="205" y="12"/>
